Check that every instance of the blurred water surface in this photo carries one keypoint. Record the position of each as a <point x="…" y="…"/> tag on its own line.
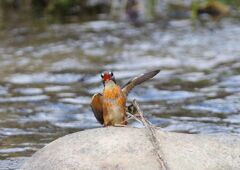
<point x="48" y="77"/>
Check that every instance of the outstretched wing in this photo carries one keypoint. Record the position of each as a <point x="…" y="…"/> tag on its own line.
<point x="138" y="80"/>
<point x="96" y="105"/>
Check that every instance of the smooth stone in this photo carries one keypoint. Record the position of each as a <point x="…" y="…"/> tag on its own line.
<point x="130" y="148"/>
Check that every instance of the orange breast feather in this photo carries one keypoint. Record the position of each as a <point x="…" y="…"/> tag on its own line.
<point x="114" y="93"/>
<point x="114" y="100"/>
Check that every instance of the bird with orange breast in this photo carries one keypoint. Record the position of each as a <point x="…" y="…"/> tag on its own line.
<point x="109" y="107"/>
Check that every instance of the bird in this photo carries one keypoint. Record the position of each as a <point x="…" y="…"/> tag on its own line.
<point x="109" y="107"/>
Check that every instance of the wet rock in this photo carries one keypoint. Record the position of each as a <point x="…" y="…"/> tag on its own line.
<point x="130" y="148"/>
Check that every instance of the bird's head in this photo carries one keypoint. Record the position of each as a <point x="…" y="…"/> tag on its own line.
<point x="106" y="76"/>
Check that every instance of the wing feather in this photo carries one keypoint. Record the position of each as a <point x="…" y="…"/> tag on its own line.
<point x="138" y="80"/>
<point x="96" y="105"/>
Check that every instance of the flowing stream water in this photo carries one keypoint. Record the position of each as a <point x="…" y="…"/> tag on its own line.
<point x="48" y="77"/>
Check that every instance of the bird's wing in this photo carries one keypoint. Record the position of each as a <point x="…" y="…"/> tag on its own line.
<point x="138" y="80"/>
<point x="96" y="105"/>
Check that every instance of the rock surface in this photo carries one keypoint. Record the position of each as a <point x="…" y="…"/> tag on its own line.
<point x="130" y="148"/>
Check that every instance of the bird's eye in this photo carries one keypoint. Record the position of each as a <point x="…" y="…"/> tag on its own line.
<point x="102" y="75"/>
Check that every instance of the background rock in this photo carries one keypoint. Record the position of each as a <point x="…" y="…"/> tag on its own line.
<point x="130" y="148"/>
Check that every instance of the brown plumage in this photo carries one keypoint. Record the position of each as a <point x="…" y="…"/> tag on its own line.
<point x="109" y="108"/>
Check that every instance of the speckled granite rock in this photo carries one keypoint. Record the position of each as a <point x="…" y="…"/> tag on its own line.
<point x="130" y="148"/>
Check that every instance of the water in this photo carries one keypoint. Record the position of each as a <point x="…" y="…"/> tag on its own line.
<point x="48" y="77"/>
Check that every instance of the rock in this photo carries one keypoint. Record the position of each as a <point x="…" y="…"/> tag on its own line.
<point x="130" y="148"/>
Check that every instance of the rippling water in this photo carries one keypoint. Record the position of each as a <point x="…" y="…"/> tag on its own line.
<point x="49" y="76"/>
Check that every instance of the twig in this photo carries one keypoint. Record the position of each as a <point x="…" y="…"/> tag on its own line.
<point x="132" y="116"/>
<point x="152" y="134"/>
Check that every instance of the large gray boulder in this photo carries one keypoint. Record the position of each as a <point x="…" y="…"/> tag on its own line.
<point x="130" y="148"/>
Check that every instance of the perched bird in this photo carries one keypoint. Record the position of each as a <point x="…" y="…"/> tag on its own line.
<point x="109" y="107"/>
